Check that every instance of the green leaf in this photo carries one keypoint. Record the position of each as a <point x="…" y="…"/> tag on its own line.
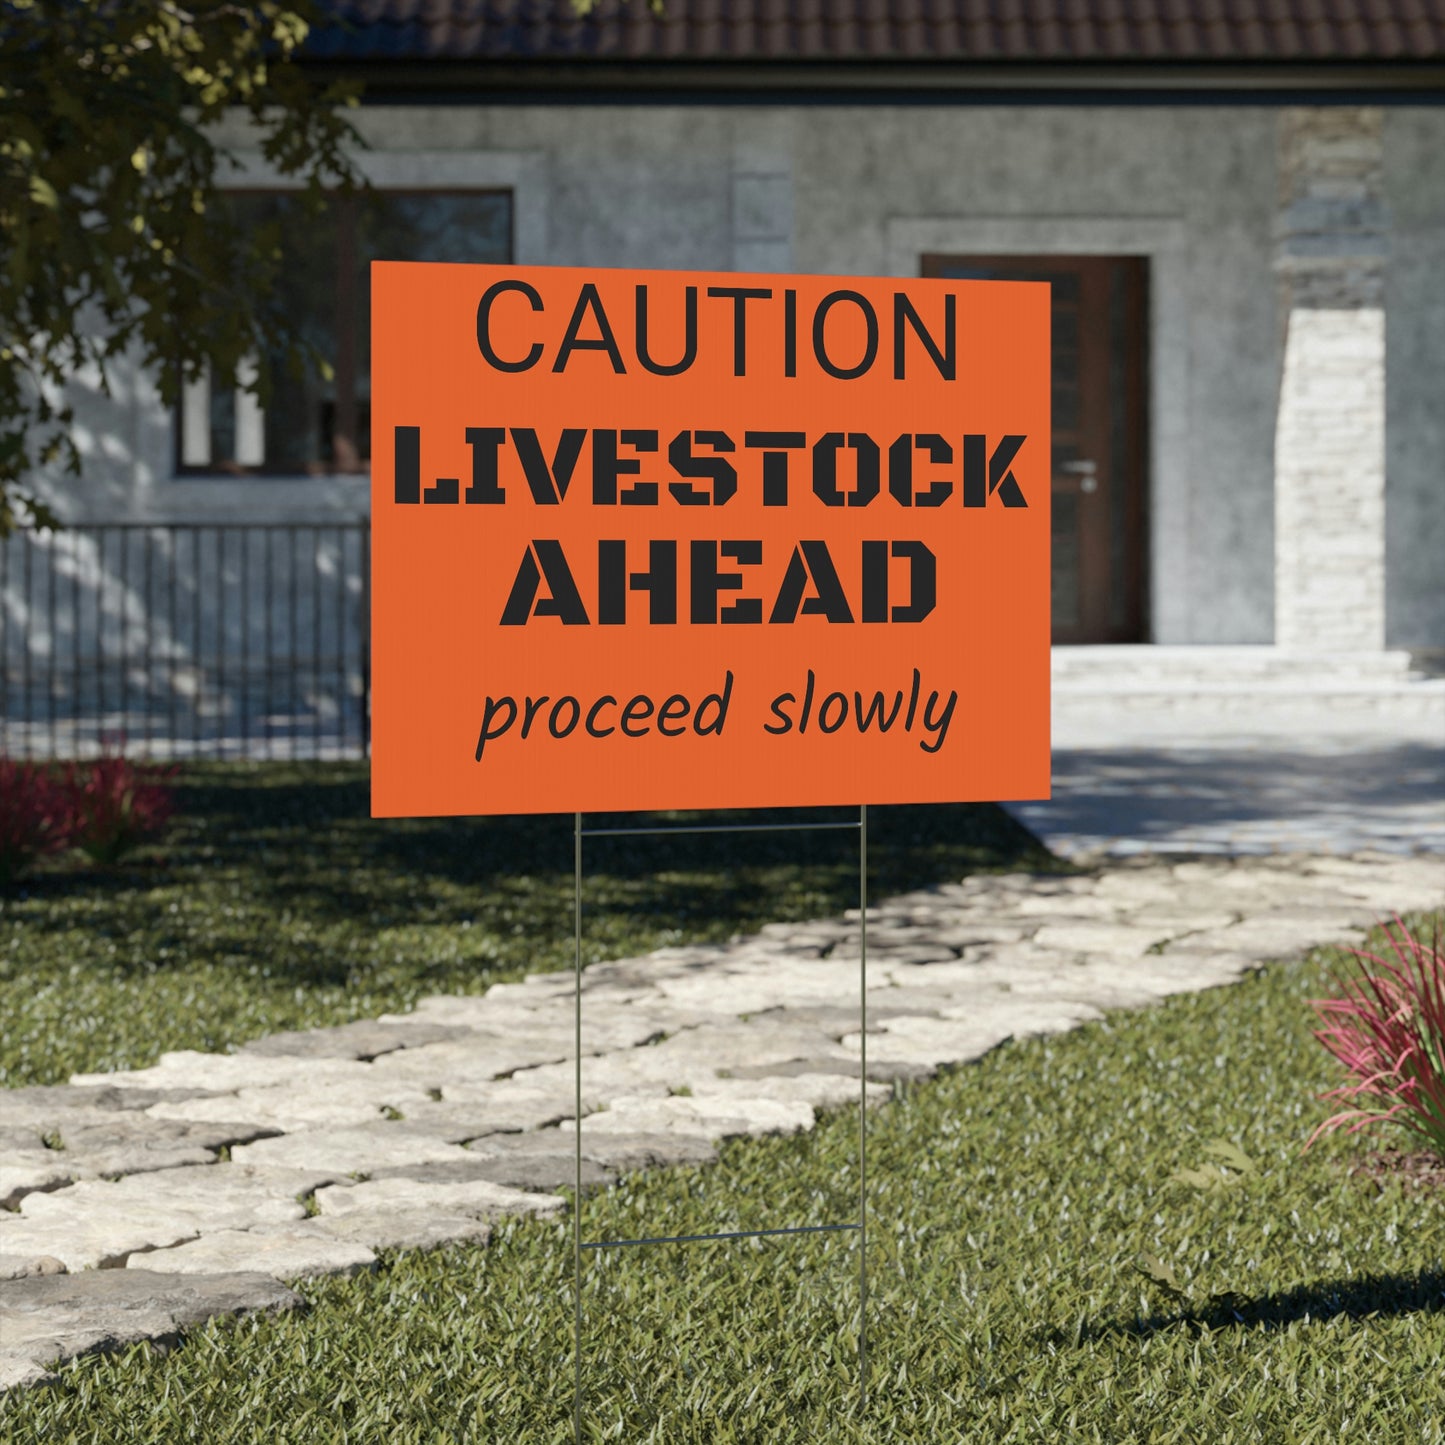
<point x="1230" y="1166"/>
<point x="1209" y="1177"/>
<point x="1230" y="1154"/>
<point x="1160" y="1272"/>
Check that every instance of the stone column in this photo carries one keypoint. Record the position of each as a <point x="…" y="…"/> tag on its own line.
<point x="1331" y="241"/>
<point x="762" y="193"/>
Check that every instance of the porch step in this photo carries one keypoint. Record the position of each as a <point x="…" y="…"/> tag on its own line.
<point x="1195" y="666"/>
<point x="1238" y="690"/>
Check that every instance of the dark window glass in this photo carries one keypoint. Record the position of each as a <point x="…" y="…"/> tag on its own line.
<point x="314" y="425"/>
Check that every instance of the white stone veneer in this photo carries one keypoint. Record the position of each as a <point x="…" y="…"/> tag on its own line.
<point x="1329" y="494"/>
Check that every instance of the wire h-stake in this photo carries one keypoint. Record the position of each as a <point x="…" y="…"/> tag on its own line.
<point x="860" y="1226"/>
<point x="577" y="1131"/>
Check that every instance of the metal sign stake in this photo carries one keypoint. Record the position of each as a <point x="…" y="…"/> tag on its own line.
<point x="861" y="1226"/>
<point x="862" y="1113"/>
<point x="577" y="1122"/>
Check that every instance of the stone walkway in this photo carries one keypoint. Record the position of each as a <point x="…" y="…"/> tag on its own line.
<point x="125" y="1222"/>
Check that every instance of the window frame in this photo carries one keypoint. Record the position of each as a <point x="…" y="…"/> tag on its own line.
<point x="347" y="343"/>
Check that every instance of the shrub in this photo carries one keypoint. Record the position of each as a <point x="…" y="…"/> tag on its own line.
<point x="35" y="816"/>
<point x="117" y="805"/>
<point x="1388" y="1030"/>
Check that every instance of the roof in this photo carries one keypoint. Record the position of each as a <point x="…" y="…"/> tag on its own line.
<point x="1054" y="33"/>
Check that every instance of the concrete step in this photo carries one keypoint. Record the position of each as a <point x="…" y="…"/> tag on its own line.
<point x="1154" y="695"/>
<point x="1417" y="698"/>
<point x="1190" y="667"/>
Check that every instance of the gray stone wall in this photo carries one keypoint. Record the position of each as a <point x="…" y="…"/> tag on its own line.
<point x="1333" y="239"/>
<point x="1193" y="191"/>
<point x="861" y="189"/>
<point x="1414" y="188"/>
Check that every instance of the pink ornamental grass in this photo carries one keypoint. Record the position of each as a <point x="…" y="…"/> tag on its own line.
<point x="1388" y="1030"/>
<point x="36" y="816"/>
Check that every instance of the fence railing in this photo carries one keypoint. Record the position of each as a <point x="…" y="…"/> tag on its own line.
<point x="186" y="640"/>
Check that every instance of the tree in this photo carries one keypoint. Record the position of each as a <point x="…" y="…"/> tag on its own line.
<point x="113" y="238"/>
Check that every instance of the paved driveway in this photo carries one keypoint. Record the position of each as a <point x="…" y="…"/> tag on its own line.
<point x="1208" y="792"/>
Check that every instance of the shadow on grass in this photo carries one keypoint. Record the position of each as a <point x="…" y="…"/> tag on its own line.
<point x="245" y="815"/>
<point x="255" y="843"/>
<point x="1359" y="1298"/>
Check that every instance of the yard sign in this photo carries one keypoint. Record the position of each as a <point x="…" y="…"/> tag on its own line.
<point x="664" y="539"/>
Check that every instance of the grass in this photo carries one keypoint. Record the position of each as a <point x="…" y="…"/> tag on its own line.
<point x="1011" y="1204"/>
<point x="277" y="903"/>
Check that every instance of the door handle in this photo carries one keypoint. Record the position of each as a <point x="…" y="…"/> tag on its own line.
<point x="1086" y="470"/>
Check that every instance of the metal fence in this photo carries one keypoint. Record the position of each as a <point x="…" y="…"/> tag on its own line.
<point x="181" y="640"/>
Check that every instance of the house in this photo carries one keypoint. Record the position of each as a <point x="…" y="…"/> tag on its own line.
<point x="1240" y="207"/>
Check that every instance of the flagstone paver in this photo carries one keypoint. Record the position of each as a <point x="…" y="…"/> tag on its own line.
<point x="391" y="1229"/>
<point x="23" y="1266"/>
<point x="550" y="1169"/>
<point x="50" y="1317"/>
<point x="353" y="1150"/>
<point x="295" y="1252"/>
<point x="412" y="1130"/>
<point x="33" y="1175"/>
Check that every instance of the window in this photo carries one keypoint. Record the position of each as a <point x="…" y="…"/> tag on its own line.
<point x="316" y="427"/>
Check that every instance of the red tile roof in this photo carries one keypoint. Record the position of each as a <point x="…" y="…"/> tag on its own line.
<point x="1036" y="32"/>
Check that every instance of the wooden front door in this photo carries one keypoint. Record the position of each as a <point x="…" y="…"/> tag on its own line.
<point x="1099" y="307"/>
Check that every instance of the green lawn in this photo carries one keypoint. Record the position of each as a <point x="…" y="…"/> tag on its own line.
<point x="1010" y="1204"/>
<point x="275" y="902"/>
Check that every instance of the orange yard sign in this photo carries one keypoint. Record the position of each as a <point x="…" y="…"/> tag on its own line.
<point x="664" y="539"/>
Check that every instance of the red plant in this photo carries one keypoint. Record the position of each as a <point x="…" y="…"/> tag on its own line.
<point x="117" y="805"/>
<point x="1388" y="1030"/>
<point x="35" y="816"/>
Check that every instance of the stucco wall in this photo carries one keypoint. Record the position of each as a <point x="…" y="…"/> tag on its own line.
<point x="842" y="189"/>
<point x="1211" y="174"/>
<point x="1415" y="379"/>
